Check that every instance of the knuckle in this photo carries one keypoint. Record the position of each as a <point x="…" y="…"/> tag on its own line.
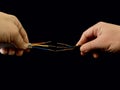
<point x="101" y="23"/>
<point x="13" y="16"/>
<point x="14" y="19"/>
<point x="84" y="32"/>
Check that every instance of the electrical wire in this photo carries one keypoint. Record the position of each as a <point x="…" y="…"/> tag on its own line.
<point x="49" y="46"/>
<point x="46" y="46"/>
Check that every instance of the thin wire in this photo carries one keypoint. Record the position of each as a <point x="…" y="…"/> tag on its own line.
<point x="65" y="44"/>
<point x="43" y="44"/>
<point x="49" y="47"/>
<point x="43" y="49"/>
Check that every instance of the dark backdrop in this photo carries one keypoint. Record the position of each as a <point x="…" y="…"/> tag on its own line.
<point x="61" y="21"/>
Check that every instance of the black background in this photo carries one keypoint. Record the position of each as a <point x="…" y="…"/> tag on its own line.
<point x="62" y="21"/>
<point x="59" y="21"/>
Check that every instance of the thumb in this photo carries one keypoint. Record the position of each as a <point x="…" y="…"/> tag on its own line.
<point x="19" y="42"/>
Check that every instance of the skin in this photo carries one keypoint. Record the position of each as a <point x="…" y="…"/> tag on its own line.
<point x="103" y="37"/>
<point x="12" y="31"/>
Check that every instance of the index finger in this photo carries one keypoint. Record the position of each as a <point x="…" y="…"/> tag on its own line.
<point x="20" y="28"/>
<point x="88" y="35"/>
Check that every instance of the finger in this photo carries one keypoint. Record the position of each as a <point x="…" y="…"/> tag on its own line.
<point x="19" y="52"/>
<point x="20" y="28"/>
<point x="24" y="35"/>
<point x="82" y="53"/>
<point x="22" y="31"/>
<point x="27" y="50"/>
<point x="95" y="44"/>
<point x="95" y="55"/>
<point x="3" y="51"/>
<point x="88" y="35"/>
<point x="11" y="52"/>
<point x="19" y="43"/>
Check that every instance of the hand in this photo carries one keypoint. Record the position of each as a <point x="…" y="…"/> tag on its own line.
<point x="11" y="31"/>
<point x="102" y="36"/>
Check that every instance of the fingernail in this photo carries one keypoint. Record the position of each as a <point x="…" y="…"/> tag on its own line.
<point x="82" y="54"/>
<point x="95" y="56"/>
<point x="77" y="44"/>
<point x="11" y="52"/>
<point x="3" y="51"/>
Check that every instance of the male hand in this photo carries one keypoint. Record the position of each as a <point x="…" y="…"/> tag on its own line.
<point x="12" y="32"/>
<point x="102" y="36"/>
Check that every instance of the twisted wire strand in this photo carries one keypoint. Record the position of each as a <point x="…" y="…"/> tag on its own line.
<point x="47" y="46"/>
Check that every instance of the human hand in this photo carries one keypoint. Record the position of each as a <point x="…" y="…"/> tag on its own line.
<point x="102" y="36"/>
<point x="12" y="32"/>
